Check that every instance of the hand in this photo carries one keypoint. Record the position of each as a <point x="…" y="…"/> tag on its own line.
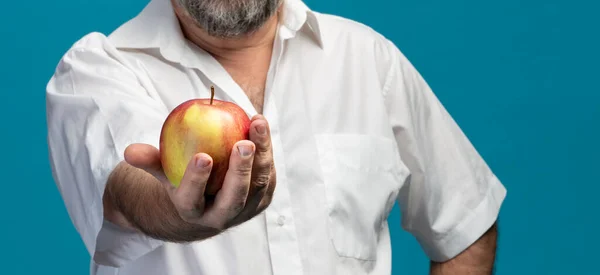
<point x="247" y="189"/>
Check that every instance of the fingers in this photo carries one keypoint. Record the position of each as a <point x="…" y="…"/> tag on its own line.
<point x="231" y="199"/>
<point x="268" y="195"/>
<point x="263" y="168"/>
<point x="145" y="157"/>
<point x="188" y="198"/>
<point x="263" y="161"/>
<point x="142" y="156"/>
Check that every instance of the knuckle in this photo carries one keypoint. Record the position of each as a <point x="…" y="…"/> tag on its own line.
<point x="262" y="180"/>
<point x="264" y="147"/>
<point x="264" y="165"/>
<point x="243" y="170"/>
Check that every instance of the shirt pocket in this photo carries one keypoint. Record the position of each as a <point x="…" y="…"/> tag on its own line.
<point x="362" y="175"/>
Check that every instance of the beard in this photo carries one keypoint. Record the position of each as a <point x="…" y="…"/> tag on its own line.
<point x="230" y="18"/>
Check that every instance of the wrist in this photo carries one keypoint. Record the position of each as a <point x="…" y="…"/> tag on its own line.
<point x="113" y="214"/>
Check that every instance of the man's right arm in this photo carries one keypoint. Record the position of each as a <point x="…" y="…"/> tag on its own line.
<point x="95" y="107"/>
<point x="103" y="137"/>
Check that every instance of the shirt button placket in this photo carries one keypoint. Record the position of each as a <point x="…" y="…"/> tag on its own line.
<point x="283" y="242"/>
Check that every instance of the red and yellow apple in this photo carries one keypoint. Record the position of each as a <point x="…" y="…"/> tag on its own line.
<point x="205" y="125"/>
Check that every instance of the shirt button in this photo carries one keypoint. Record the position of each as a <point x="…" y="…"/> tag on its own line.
<point x="281" y="220"/>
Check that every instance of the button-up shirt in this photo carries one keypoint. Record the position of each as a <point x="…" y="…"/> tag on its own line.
<point x="355" y="129"/>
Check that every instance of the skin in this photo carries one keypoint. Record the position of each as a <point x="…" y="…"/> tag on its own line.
<point x="139" y="197"/>
<point x="478" y="259"/>
<point x="230" y="18"/>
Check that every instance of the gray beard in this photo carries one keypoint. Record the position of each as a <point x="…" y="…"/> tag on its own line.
<point x="230" y="18"/>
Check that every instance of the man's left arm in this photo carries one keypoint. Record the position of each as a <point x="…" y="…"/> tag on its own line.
<point x="451" y="201"/>
<point x="477" y="259"/>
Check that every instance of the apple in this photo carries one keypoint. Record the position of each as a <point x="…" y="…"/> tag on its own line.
<point x="203" y="125"/>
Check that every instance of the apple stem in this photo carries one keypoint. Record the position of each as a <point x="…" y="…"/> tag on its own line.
<point x="212" y="94"/>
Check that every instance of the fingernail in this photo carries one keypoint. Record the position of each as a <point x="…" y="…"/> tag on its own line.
<point x="202" y="162"/>
<point x="245" y="150"/>
<point x="261" y="129"/>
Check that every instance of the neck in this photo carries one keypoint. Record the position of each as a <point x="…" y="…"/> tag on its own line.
<point x="236" y="48"/>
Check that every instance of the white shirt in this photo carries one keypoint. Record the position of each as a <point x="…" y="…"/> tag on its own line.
<point x="355" y="129"/>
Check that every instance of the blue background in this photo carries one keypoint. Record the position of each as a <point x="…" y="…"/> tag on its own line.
<point x="520" y="77"/>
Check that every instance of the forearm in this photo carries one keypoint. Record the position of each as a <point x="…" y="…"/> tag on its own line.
<point x="478" y="259"/>
<point x="135" y="199"/>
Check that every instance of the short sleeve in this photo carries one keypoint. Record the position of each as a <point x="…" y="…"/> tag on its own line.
<point x="96" y="105"/>
<point x="451" y="196"/>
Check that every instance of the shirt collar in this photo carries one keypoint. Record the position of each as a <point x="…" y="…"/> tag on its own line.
<point x="158" y="27"/>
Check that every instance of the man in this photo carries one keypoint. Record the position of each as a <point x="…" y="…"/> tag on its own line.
<point x="343" y="126"/>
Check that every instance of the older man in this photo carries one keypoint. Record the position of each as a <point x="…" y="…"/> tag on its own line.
<point x="343" y="126"/>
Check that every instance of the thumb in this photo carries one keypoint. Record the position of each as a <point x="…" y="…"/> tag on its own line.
<point x="145" y="157"/>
